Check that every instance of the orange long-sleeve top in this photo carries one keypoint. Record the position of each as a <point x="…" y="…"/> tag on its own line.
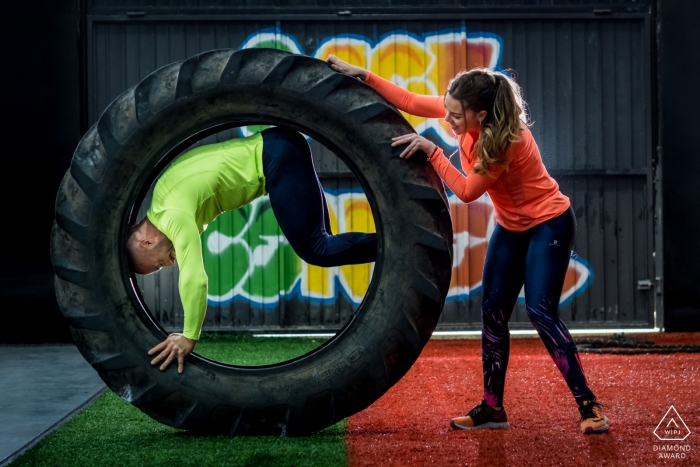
<point x="523" y="196"/>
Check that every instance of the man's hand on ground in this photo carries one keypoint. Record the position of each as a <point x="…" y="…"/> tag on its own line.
<point x="176" y="346"/>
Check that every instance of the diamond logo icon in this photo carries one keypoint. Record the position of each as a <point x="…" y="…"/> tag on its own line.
<point x="672" y="427"/>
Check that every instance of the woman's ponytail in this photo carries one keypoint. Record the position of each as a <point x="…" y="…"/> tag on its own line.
<point x="482" y="89"/>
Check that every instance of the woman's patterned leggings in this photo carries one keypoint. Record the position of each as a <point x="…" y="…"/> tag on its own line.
<point x="537" y="258"/>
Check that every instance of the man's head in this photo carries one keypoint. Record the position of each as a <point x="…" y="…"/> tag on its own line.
<point x="148" y="249"/>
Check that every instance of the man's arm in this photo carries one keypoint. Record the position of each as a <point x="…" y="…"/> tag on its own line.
<point x="193" y="293"/>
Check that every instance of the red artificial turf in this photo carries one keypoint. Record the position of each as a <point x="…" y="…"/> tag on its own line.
<point x="410" y="424"/>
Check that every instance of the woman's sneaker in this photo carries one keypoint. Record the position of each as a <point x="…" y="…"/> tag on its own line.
<point x="481" y="416"/>
<point x="592" y="418"/>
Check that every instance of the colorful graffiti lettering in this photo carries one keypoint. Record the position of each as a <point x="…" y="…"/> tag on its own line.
<point x="420" y="63"/>
<point x="247" y="257"/>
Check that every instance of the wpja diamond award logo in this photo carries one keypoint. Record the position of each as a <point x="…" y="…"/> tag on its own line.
<point x="671" y="428"/>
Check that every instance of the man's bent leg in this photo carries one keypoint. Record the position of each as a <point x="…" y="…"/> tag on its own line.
<point x="299" y="205"/>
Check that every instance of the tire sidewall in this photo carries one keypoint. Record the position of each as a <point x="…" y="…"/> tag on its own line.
<point x="354" y="351"/>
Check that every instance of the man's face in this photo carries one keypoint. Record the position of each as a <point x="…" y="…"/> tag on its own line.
<point x="161" y="255"/>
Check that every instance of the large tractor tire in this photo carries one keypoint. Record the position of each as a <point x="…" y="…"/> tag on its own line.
<point x="150" y="124"/>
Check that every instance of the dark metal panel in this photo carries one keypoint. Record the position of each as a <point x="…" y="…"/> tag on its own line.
<point x="579" y="131"/>
<point x="584" y="102"/>
<point x="621" y="78"/>
<point x="608" y="96"/>
<point x="608" y="225"/>
<point x="564" y="89"/>
<point x="642" y="245"/>
<point x="350" y="4"/>
<point x="594" y="251"/>
<point x="593" y="56"/>
<point x="612" y="212"/>
<point x="625" y="256"/>
<point x="640" y="130"/>
<point x="122" y="54"/>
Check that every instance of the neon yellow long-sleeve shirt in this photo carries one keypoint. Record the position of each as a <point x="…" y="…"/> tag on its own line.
<point x="197" y="187"/>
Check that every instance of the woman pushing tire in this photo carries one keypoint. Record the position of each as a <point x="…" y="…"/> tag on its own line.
<point x="530" y="247"/>
<point x="140" y="133"/>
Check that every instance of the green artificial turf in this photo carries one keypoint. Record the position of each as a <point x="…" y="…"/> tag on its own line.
<point x="238" y="349"/>
<point x="113" y="432"/>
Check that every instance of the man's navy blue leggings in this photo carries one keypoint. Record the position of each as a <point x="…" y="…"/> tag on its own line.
<point x="537" y="258"/>
<point x="299" y="204"/>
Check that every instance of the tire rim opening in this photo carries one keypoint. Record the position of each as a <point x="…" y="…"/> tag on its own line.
<point x="259" y="289"/>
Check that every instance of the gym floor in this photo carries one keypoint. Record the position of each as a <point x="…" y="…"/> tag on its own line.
<point x="41" y="387"/>
<point x="410" y="424"/>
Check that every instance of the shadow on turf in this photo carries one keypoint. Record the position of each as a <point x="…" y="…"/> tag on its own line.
<point x="330" y="432"/>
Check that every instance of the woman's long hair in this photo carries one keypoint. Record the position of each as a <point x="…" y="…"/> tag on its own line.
<point x="501" y="97"/>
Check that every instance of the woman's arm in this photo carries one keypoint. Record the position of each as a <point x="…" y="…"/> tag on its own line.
<point x="415" y="104"/>
<point x="469" y="188"/>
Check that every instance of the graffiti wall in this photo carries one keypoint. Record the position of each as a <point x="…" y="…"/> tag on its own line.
<point x="422" y="64"/>
<point x="248" y="259"/>
<point x="571" y="81"/>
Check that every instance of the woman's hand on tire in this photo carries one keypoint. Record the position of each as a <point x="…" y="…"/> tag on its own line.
<point x="415" y="142"/>
<point x="345" y="68"/>
<point x="175" y="347"/>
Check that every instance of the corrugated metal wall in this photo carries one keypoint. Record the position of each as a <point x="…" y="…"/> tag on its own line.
<point x="587" y="82"/>
<point x="288" y="4"/>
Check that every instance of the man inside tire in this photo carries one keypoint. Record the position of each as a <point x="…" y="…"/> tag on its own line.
<point x="211" y="179"/>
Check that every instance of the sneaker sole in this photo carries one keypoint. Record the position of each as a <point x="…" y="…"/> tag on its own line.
<point x="484" y="425"/>
<point x="602" y="429"/>
<point x="590" y="431"/>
